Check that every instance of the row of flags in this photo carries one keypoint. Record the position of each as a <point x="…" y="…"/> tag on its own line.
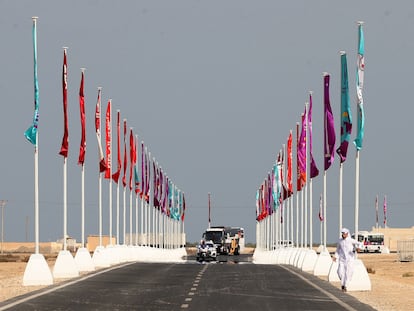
<point x="275" y="189"/>
<point x="166" y="196"/>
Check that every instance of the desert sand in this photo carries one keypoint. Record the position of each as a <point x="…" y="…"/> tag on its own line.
<point x="392" y="281"/>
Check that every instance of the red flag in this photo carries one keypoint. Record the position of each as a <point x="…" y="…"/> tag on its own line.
<point x="132" y="158"/>
<point x="108" y="141"/>
<point x="65" y="143"/>
<point x="183" y="214"/>
<point x="125" y="155"/>
<point x="115" y="176"/>
<point x="102" y="163"/>
<point x="289" y="164"/>
<point x="82" y="148"/>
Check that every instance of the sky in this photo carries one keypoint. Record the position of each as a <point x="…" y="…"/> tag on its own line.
<point x="213" y="88"/>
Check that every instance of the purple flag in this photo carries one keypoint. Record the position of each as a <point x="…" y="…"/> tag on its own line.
<point x="329" y="141"/>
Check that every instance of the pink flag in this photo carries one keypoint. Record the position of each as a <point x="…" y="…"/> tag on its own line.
<point x="102" y="163"/>
<point x="108" y="140"/>
<point x="115" y="176"/>
<point x="125" y="155"/>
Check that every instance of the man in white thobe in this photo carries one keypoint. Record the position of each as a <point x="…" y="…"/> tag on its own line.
<point x="345" y="254"/>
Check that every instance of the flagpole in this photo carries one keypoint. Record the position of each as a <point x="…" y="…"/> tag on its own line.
<point x="65" y="204"/>
<point x="99" y="170"/>
<point x="117" y="183"/>
<point x="297" y="191"/>
<point x="37" y="271"/>
<point x="324" y="182"/>
<point x="110" y="175"/>
<point x="306" y="173"/>
<point x="358" y="141"/>
<point x="83" y="193"/>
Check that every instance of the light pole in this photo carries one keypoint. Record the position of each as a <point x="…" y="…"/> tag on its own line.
<point x="2" y="205"/>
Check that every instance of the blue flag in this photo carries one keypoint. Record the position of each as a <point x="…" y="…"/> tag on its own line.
<point x="359" y="87"/>
<point x="31" y="132"/>
<point x="346" y="118"/>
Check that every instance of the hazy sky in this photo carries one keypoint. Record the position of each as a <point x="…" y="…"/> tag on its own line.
<point x="213" y="88"/>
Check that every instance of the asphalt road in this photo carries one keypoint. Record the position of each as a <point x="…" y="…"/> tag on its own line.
<point x="232" y="283"/>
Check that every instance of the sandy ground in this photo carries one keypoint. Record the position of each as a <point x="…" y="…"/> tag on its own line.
<point x="392" y="281"/>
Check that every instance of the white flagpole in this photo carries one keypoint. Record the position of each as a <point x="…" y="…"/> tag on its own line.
<point x="83" y="194"/>
<point x="99" y="173"/>
<point x="117" y="185"/>
<point x="136" y="193"/>
<point x="306" y="176"/>
<point x="297" y="192"/>
<point x="110" y="176"/>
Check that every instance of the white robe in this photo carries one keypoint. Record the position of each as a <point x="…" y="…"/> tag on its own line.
<point x="345" y="254"/>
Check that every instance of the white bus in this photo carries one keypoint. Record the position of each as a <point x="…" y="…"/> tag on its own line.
<point x="373" y="241"/>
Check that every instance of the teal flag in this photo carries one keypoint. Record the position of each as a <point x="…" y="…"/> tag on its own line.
<point x="31" y="132"/>
<point x="359" y="86"/>
<point x="346" y="117"/>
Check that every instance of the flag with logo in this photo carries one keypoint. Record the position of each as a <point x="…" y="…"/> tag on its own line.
<point x="31" y="132"/>
<point x="102" y="163"/>
<point x="346" y="117"/>
<point x="359" y="86"/>
<point x="329" y="137"/>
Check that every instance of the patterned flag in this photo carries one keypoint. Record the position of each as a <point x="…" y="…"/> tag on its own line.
<point x="82" y="148"/>
<point x="108" y="137"/>
<point x="132" y="155"/>
<point x="125" y="155"/>
<point x="376" y="210"/>
<point x="313" y="168"/>
<point x="359" y="87"/>
<point x="115" y="176"/>
<point x="385" y="210"/>
<point x="31" y="132"/>
<point x="289" y="164"/>
<point x="102" y="163"/>
<point x="142" y="171"/>
<point x="329" y="141"/>
<point x="302" y="153"/>
<point x="65" y="144"/>
<point x="136" y="176"/>
<point x="346" y="118"/>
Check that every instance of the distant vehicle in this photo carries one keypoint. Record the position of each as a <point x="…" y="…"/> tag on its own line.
<point x="218" y="236"/>
<point x="228" y="240"/>
<point x="206" y="250"/>
<point x="372" y="241"/>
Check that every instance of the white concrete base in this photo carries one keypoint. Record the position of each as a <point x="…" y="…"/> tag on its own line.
<point x="320" y="249"/>
<point x="113" y="254"/>
<point x="333" y="272"/>
<point x="37" y="271"/>
<point x="385" y="250"/>
<point x="83" y="260"/>
<point x="309" y="261"/>
<point x="299" y="258"/>
<point x="100" y="258"/>
<point x="293" y="255"/>
<point x="323" y="264"/>
<point x="360" y="280"/>
<point x="65" y="266"/>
